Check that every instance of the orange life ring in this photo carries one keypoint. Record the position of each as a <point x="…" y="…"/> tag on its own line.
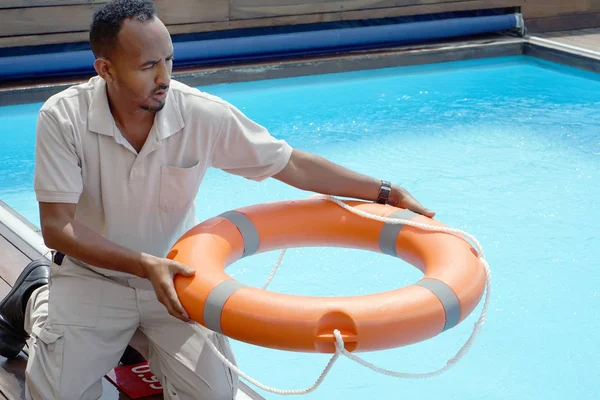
<point x="452" y="287"/>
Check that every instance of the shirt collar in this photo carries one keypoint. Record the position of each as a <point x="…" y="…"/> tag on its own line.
<point x="167" y="122"/>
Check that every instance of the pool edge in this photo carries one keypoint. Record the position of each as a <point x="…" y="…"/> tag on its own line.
<point x="562" y="54"/>
<point x="498" y="46"/>
<point x="479" y="48"/>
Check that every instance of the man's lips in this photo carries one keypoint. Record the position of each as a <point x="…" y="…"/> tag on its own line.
<point x="161" y="94"/>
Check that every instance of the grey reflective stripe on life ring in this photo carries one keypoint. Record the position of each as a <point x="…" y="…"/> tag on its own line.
<point x="389" y="232"/>
<point x="216" y="301"/>
<point x="447" y="297"/>
<point x="246" y="228"/>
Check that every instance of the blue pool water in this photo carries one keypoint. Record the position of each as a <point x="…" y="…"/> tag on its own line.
<point x="507" y="149"/>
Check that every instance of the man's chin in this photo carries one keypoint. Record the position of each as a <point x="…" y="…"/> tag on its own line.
<point x="154" y="108"/>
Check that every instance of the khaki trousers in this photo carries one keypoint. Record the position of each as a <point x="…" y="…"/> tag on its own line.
<point x="81" y="322"/>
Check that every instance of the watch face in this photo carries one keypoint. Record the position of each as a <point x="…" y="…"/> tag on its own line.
<point x="384" y="192"/>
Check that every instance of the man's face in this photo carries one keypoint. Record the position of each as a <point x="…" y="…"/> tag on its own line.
<point x="142" y="64"/>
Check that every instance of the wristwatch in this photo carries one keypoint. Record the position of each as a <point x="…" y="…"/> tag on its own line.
<point x="384" y="192"/>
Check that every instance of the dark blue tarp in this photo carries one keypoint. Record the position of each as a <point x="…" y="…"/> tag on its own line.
<point x="267" y="45"/>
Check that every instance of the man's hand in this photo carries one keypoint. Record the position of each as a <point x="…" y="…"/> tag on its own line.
<point x="161" y="272"/>
<point x="313" y="173"/>
<point x="401" y="198"/>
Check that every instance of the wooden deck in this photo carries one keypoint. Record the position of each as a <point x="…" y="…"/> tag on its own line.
<point x="35" y="22"/>
<point x="16" y="254"/>
<point x="12" y="372"/>
<point x="588" y="39"/>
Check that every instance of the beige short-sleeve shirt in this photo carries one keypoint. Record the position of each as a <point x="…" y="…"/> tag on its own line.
<point x="144" y="201"/>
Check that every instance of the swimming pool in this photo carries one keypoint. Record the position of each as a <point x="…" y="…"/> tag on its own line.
<point x="507" y="149"/>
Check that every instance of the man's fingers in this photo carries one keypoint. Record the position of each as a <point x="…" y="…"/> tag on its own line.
<point x="181" y="269"/>
<point x="412" y="204"/>
<point x="162" y="279"/>
<point x="185" y="271"/>
<point x="165" y="302"/>
<point x="418" y="208"/>
<point x="176" y="304"/>
<point x="174" y="312"/>
<point x="405" y="200"/>
<point x="172" y="305"/>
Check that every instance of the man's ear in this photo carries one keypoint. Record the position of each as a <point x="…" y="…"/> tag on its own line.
<point x="104" y="69"/>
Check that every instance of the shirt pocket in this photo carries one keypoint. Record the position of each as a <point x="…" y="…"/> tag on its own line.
<point x="178" y="187"/>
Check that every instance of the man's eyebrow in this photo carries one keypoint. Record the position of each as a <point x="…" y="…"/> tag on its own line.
<point x="152" y="62"/>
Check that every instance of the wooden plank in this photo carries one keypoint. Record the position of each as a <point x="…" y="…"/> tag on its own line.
<point x="45" y="3"/>
<point x="12" y="377"/>
<point x="43" y="39"/>
<point x="585" y="41"/>
<point x="83" y="37"/>
<point x="430" y="9"/>
<point x="4" y="288"/>
<point x="37" y="20"/>
<point x="77" y="18"/>
<point x="173" y="12"/>
<point x="12" y="261"/>
<point x="564" y="22"/>
<point x="254" y="23"/>
<point x="589" y="40"/>
<point x="241" y="9"/>
<point x="555" y="34"/>
<point x="344" y="15"/>
<point x="552" y="8"/>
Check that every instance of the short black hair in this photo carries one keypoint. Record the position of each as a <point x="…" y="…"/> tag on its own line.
<point x="107" y="22"/>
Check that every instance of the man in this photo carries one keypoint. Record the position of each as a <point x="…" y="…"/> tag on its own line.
<point x="119" y="161"/>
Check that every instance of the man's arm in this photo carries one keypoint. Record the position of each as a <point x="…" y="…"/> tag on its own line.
<point x="313" y="173"/>
<point x="63" y="233"/>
